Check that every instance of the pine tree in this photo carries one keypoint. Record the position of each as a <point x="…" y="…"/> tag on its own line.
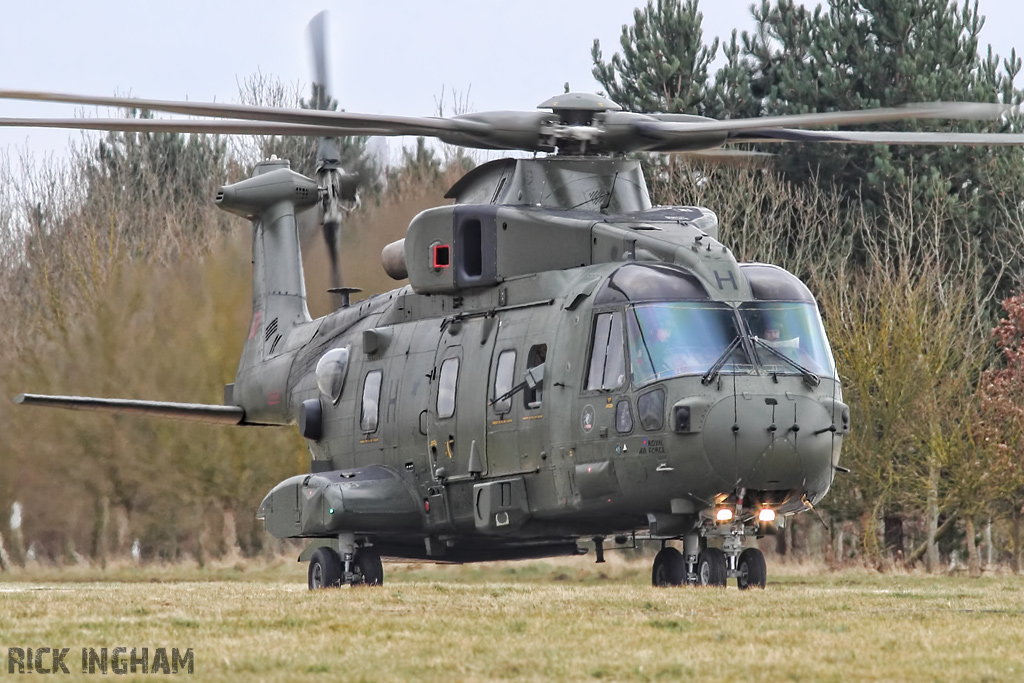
<point x="862" y="54"/>
<point x="664" y="61"/>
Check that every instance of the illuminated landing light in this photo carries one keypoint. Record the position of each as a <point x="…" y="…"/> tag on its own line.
<point x="766" y="515"/>
<point x="723" y="514"/>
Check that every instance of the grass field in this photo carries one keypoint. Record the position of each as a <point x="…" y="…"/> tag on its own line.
<point x="551" y="620"/>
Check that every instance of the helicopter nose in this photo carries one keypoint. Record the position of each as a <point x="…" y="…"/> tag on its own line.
<point x="770" y="443"/>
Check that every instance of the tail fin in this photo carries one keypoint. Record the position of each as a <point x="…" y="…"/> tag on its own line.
<point x="279" y="314"/>
<point x="270" y="199"/>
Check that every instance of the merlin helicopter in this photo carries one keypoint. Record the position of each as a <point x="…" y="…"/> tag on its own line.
<point x="568" y="363"/>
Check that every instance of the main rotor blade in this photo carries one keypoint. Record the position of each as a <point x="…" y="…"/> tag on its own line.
<point x="541" y="131"/>
<point x="342" y="123"/>
<point x="882" y="137"/>
<point x="225" y="127"/>
<point x="727" y="155"/>
<point x="190" y="412"/>
<point x="927" y="110"/>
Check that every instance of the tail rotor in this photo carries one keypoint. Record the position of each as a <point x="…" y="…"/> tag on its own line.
<point x="338" y="190"/>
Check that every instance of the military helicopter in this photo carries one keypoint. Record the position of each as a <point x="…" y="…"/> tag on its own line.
<point x="566" y="364"/>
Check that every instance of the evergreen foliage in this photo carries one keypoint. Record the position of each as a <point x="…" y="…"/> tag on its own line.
<point x="664" y="61"/>
<point x="851" y="54"/>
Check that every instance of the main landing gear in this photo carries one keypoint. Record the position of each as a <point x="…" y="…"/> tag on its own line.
<point x="361" y="567"/>
<point x="709" y="566"/>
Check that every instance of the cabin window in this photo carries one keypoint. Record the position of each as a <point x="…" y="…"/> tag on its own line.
<point x="533" y="397"/>
<point x="503" y="376"/>
<point x="369" y="410"/>
<point x="607" y="365"/>
<point x="331" y="371"/>
<point x="446" y="387"/>
<point x="651" y="407"/>
<point x="623" y="417"/>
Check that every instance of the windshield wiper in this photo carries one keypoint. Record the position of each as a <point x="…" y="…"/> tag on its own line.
<point x="713" y="371"/>
<point x="810" y="378"/>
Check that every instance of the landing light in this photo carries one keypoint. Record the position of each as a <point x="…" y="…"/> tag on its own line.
<point x="766" y="515"/>
<point x="723" y="514"/>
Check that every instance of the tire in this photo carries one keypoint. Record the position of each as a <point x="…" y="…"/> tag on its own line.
<point x="669" y="568"/>
<point x="752" y="570"/>
<point x="370" y="567"/>
<point x="711" y="568"/>
<point x="324" y="569"/>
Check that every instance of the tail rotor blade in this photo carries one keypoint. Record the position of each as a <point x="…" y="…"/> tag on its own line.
<point x="318" y="45"/>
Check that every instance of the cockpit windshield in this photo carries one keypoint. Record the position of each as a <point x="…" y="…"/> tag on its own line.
<point x="793" y="329"/>
<point x="669" y="339"/>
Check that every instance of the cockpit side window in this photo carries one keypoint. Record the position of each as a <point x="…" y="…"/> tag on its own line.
<point x="533" y="397"/>
<point x="607" y="362"/>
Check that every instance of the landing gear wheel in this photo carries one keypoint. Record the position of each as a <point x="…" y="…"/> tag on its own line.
<point x="669" y="568"/>
<point x="751" y="568"/>
<point x="712" y="569"/>
<point x="324" y="569"/>
<point x="369" y="566"/>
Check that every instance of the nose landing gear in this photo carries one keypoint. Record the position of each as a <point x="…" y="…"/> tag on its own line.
<point x="710" y="566"/>
<point x="354" y="566"/>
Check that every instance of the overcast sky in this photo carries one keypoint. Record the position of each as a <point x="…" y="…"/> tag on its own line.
<point x="387" y="56"/>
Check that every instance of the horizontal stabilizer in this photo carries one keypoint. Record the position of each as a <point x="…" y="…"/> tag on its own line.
<point x="192" y="412"/>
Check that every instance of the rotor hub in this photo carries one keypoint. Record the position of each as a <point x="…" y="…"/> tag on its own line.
<point x="579" y="121"/>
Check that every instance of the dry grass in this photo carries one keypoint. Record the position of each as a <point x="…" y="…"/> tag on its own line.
<point x="545" y="620"/>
